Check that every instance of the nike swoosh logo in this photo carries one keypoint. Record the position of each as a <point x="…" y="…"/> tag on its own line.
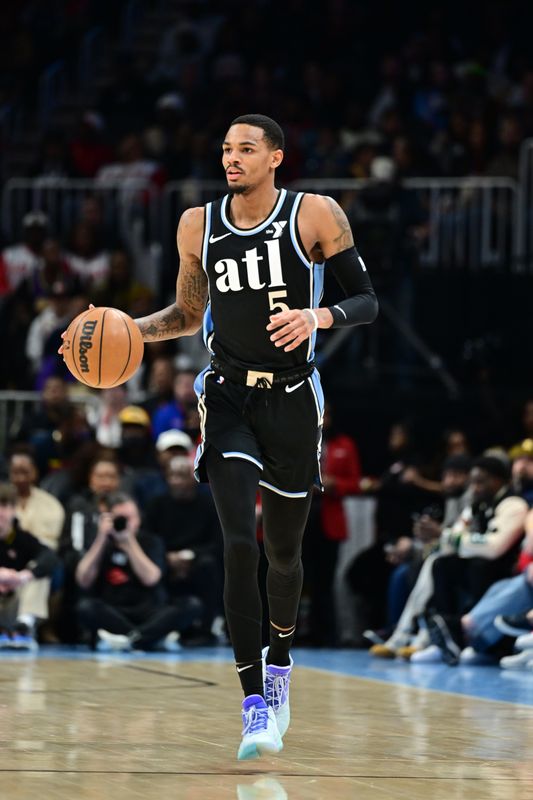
<point x="290" y="389"/>
<point x="241" y="669"/>
<point x="213" y="239"/>
<point x="284" y="635"/>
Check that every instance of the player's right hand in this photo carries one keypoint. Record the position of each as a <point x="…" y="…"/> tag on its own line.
<point x="60" y="351"/>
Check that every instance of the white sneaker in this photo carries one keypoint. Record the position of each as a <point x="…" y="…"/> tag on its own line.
<point x="276" y="682"/>
<point x="430" y="655"/>
<point x="260" y="733"/>
<point x="116" y="642"/>
<point x="523" y="660"/>
<point x="473" y="658"/>
<point x="525" y="642"/>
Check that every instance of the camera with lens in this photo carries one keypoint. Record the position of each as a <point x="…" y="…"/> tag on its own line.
<point x="120" y="523"/>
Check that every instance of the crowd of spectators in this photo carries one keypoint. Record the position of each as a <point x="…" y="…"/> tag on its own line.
<point x="444" y="96"/>
<point x="105" y="538"/>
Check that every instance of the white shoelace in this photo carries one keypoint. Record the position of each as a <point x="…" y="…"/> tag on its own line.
<point x="276" y="688"/>
<point x="255" y="720"/>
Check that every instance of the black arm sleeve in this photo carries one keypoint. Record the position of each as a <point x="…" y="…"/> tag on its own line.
<point x="361" y="304"/>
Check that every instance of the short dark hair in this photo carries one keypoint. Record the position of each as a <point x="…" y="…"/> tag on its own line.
<point x="272" y="131"/>
<point x="8" y="495"/>
<point x="495" y="467"/>
<point x="118" y="499"/>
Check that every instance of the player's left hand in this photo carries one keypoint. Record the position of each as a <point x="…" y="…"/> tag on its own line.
<point x="291" y="328"/>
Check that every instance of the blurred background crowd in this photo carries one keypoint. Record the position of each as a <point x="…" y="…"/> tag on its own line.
<point x="111" y="118"/>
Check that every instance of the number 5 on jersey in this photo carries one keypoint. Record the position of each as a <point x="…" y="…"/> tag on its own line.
<point x="274" y="303"/>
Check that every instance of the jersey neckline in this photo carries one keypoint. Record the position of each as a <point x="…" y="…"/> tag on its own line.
<point x="258" y="228"/>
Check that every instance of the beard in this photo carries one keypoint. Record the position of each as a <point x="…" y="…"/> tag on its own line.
<point x="238" y="189"/>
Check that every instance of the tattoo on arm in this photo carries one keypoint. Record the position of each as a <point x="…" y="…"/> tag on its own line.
<point x="165" y="324"/>
<point x="344" y="239"/>
<point x="184" y="316"/>
<point x="192" y="285"/>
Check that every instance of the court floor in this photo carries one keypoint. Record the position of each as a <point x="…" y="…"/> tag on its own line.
<point x="79" y="725"/>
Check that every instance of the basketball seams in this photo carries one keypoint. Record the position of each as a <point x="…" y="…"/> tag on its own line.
<point x="129" y="346"/>
<point x="100" y="351"/>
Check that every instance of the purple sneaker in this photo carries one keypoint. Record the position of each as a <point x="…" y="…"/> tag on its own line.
<point x="277" y="681"/>
<point x="260" y="733"/>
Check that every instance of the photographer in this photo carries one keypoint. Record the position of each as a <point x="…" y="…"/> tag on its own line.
<point x="122" y="571"/>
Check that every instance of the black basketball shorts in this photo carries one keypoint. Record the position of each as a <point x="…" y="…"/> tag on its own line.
<point x="278" y="429"/>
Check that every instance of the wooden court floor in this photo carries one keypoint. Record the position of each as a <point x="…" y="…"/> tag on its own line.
<point x="111" y="728"/>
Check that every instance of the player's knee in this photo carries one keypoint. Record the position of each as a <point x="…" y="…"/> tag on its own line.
<point x="241" y="553"/>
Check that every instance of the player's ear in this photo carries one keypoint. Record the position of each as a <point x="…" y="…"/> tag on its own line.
<point x="277" y="158"/>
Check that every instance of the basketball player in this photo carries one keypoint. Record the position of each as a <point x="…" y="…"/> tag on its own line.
<point x="251" y="272"/>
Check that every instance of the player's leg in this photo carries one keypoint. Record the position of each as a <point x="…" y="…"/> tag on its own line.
<point x="234" y="485"/>
<point x="284" y="521"/>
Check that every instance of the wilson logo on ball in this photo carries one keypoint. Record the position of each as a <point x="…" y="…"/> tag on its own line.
<point x="87" y="333"/>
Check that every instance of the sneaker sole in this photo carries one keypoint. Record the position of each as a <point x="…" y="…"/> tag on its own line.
<point x="252" y="750"/>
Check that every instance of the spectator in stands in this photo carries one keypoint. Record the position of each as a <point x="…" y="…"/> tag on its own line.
<point x="121" y="290"/>
<point x="327" y="527"/>
<point x="49" y="323"/>
<point x="137" y="454"/>
<point x="38" y="512"/>
<point x="23" y="560"/>
<point x="20" y="261"/>
<point x="79" y="532"/>
<point x="131" y="170"/>
<point x="397" y="501"/>
<point x="36" y="289"/>
<point x="170" y="444"/>
<point x="476" y="553"/>
<point x="160" y="384"/>
<point x="121" y="573"/>
<point x="89" y="150"/>
<point x="406" y="639"/>
<point x="186" y="520"/>
<point x="173" y="414"/>
<point x="505" y="610"/>
<point x="103" y="416"/>
<point x="87" y="258"/>
<point x="41" y="426"/>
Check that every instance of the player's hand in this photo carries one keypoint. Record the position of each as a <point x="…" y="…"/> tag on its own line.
<point x="60" y="351"/>
<point x="291" y="328"/>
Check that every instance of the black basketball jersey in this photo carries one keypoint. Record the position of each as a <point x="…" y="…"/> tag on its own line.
<point x="252" y="274"/>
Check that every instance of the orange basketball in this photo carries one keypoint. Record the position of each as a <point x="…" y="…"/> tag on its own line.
<point x="103" y="347"/>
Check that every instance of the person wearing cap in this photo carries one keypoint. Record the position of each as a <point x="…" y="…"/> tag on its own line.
<point x="19" y="261"/>
<point x="480" y="549"/>
<point x="137" y="454"/>
<point x="170" y="444"/>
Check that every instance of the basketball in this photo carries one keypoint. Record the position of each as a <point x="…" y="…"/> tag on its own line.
<point x="103" y="347"/>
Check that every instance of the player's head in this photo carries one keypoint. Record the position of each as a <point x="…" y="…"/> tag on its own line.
<point x="251" y="152"/>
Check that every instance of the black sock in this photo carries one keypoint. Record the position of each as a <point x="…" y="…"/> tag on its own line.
<point x="280" y="644"/>
<point x="251" y="677"/>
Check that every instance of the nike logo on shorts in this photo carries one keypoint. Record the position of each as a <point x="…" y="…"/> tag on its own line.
<point x="213" y="239"/>
<point x="290" y="389"/>
<point x="241" y="669"/>
<point x="284" y="635"/>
